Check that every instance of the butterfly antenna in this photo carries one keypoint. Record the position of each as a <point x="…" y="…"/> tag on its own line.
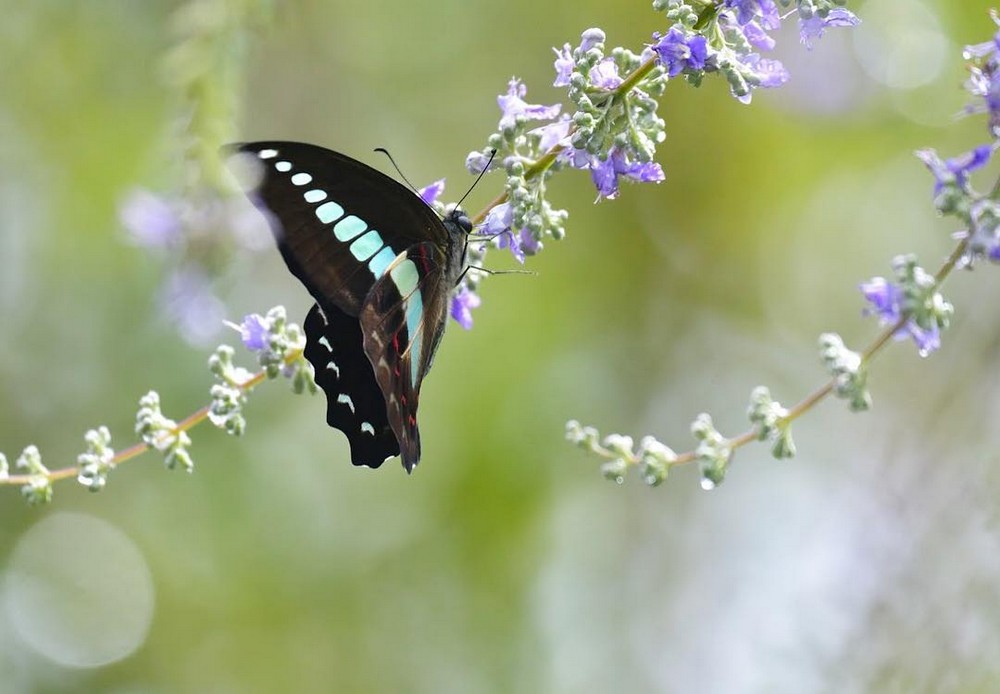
<point x="503" y="272"/>
<point x="398" y="170"/>
<point x="482" y="173"/>
<point x="495" y="272"/>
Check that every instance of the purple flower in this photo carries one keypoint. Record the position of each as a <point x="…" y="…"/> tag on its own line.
<point x="254" y="332"/>
<point x="564" y="65"/>
<point x="512" y="105"/>
<point x="984" y="79"/>
<point x="757" y="37"/>
<point x="814" y="26"/>
<point x="927" y="341"/>
<point x="748" y="10"/>
<point x="590" y="38"/>
<point x="507" y="239"/>
<point x="605" y="173"/>
<point x="151" y="221"/>
<point x="771" y="73"/>
<point x="679" y="52"/>
<point x="605" y="74"/>
<point x="764" y="73"/>
<point x="497" y="220"/>
<point x="476" y="162"/>
<point x="552" y="134"/>
<point x="461" y="306"/>
<point x="886" y="301"/>
<point x="430" y="194"/>
<point x="985" y="83"/>
<point x="955" y="170"/>
<point x="497" y="225"/>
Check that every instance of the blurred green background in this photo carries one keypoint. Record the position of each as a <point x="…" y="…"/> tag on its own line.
<point x="505" y="563"/>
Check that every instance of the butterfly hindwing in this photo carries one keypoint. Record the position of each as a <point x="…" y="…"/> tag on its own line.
<point x="402" y="321"/>
<point x="355" y="404"/>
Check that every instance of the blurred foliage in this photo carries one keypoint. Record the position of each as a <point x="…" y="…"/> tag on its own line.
<point x="505" y="563"/>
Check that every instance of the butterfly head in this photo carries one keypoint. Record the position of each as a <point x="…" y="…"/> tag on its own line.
<point x="458" y="219"/>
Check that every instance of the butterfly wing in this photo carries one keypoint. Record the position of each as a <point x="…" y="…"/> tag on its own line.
<point x="338" y="222"/>
<point x="354" y="401"/>
<point x="380" y="264"/>
<point x="402" y="321"/>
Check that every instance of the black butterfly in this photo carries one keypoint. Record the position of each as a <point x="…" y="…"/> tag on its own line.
<point x="381" y="266"/>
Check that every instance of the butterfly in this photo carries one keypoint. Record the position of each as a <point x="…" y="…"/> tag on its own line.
<point x="381" y="265"/>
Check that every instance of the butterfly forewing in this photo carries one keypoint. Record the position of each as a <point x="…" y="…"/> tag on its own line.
<point x="338" y="223"/>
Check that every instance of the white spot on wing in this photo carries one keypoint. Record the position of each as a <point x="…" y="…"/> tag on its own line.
<point x="367" y="426"/>
<point x="330" y="366"/>
<point x="267" y="153"/>
<point x="300" y="179"/>
<point x="326" y="343"/>
<point x="314" y="195"/>
<point x="283" y="166"/>
<point x="346" y="399"/>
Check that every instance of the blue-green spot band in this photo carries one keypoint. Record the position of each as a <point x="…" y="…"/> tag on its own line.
<point x="349" y="227"/>
<point x="365" y="246"/>
<point x="405" y="276"/>
<point x="381" y="261"/>
<point x="329" y="211"/>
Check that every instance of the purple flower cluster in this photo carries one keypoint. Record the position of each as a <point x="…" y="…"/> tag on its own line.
<point x="984" y="78"/>
<point x="606" y="171"/>
<point x="615" y="129"/>
<point x="745" y="26"/>
<point x="887" y="300"/>
<point x="954" y="172"/>
<point x="912" y="301"/>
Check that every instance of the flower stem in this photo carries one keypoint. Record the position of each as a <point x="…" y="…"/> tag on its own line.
<point x="134" y="451"/>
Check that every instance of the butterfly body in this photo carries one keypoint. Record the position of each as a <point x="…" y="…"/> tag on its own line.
<point x="381" y="266"/>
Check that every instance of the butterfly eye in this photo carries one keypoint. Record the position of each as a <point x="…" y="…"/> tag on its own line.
<point x="462" y="220"/>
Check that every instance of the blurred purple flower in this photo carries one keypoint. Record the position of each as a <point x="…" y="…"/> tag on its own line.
<point x="680" y="52"/>
<point x="886" y="301"/>
<point x="955" y="170"/>
<point x="564" y="65"/>
<point x="461" y="306"/>
<point x="757" y="37"/>
<point x="814" y="26"/>
<point x="553" y="133"/>
<point x="188" y="302"/>
<point x="151" y="221"/>
<point x="254" y="332"/>
<point x="749" y="10"/>
<point x="512" y="105"/>
<point x="430" y="194"/>
<point x="767" y="73"/>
